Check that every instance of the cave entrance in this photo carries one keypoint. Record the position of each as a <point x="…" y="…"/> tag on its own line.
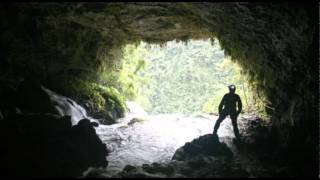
<point x="178" y="84"/>
<point x="182" y="77"/>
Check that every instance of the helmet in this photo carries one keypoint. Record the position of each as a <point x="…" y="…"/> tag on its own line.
<point x="232" y="87"/>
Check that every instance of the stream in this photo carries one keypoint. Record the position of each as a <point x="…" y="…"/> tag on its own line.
<point x="153" y="138"/>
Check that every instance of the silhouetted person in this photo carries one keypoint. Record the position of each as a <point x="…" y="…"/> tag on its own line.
<point x="227" y="107"/>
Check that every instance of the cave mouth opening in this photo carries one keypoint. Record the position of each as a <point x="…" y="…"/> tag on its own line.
<point x="178" y="84"/>
<point x="69" y="41"/>
<point x="183" y="77"/>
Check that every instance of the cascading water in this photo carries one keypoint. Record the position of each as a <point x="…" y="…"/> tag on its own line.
<point x="66" y="106"/>
<point x="152" y="139"/>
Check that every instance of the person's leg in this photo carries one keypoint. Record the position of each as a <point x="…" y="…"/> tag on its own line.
<point x="222" y="116"/>
<point x="233" y="117"/>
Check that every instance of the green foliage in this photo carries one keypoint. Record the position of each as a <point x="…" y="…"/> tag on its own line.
<point x="133" y="62"/>
<point x="103" y="98"/>
<point x="117" y="81"/>
<point x="113" y="98"/>
<point x="82" y="90"/>
<point x="250" y="100"/>
<point x="190" y="78"/>
<point x="126" y="78"/>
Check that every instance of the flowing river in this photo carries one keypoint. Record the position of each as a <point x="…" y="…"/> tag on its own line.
<point x="151" y="138"/>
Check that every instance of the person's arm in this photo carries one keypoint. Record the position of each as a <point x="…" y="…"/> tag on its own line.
<point x="221" y="104"/>
<point x="239" y="105"/>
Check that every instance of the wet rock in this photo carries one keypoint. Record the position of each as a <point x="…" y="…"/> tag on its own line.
<point x="93" y="150"/>
<point x="206" y="166"/>
<point x="134" y="172"/>
<point x="205" y="145"/>
<point x="104" y="117"/>
<point x="95" y="174"/>
<point x="46" y="145"/>
<point x="136" y="120"/>
<point x="203" y="157"/>
<point x="129" y="168"/>
<point x="158" y="168"/>
<point x="198" y="166"/>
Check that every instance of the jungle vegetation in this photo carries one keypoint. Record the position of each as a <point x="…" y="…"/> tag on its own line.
<point x="180" y="77"/>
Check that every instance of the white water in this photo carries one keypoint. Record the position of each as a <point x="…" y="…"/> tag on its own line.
<point x="153" y="140"/>
<point x="66" y="106"/>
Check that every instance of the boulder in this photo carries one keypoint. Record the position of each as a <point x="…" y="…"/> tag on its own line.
<point x="205" y="145"/>
<point x="46" y="145"/>
<point x="104" y="117"/>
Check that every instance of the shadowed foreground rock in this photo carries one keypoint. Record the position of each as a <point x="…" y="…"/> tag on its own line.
<point x="205" y="145"/>
<point x="44" y="145"/>
<point x="203" y="157"/>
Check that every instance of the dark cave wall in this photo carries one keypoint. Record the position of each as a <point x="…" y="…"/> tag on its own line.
<point x="274" y="42"/>
<point x="38" y="40"/>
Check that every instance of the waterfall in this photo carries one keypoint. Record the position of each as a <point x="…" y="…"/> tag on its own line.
<point x="66" y="106"/>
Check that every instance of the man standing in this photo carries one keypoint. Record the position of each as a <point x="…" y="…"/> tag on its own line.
<point x="227" y="107"/>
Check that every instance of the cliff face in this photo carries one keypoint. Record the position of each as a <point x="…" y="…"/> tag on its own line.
<point x="274" y="43"/>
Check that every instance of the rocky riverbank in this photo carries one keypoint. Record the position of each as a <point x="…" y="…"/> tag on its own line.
<point x="38" y="141"/>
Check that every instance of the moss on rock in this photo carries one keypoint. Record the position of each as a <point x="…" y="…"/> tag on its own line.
<point x="100" y="101"/>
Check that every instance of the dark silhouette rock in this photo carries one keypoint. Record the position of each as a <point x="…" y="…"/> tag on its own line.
<point x="32" y="98"/>
<point x="85" y="134"/>
<point x="46" y="145"/>
<point x="192" y="163"/>
<point x="157" y="167"/>
<point x="8" y="98"/>
<point x="205" y="145"/>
